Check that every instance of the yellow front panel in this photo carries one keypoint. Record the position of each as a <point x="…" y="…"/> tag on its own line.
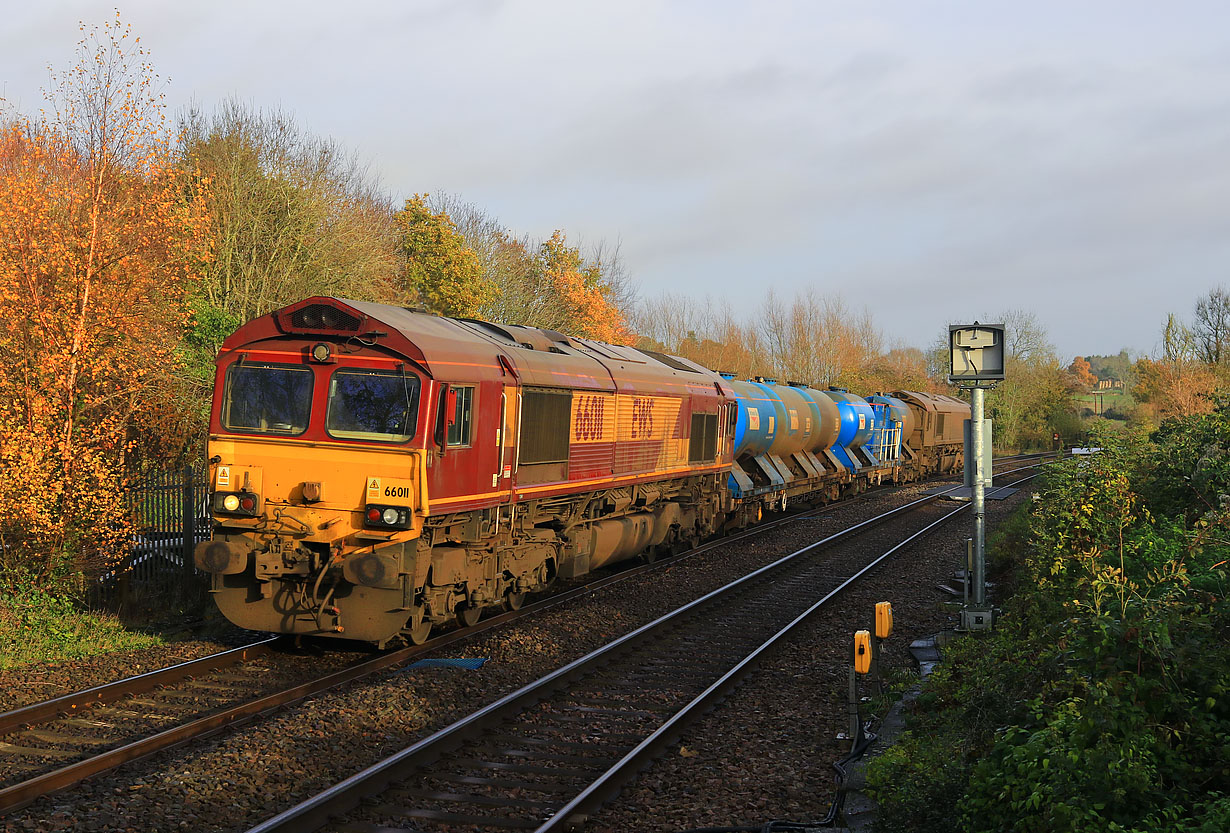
<point x="276" y="470"/>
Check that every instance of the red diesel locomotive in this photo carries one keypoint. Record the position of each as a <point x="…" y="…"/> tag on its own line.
<point x="376" y="470"/>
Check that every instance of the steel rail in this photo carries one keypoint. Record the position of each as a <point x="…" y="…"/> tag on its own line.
<point x="18" y="795"/>
<point x="609" y="784"/>
<point x="23" y="793"/>
<point x="349" y="793"/>
<point x="36" y="713"/>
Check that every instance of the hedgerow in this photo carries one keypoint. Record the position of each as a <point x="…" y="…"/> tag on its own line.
<point x="1101" y="701"/>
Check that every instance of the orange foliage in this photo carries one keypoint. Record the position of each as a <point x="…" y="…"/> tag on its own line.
<point x="580" y="293"/>
<point x="96" y="245"/>
<point x="1082" y="371"/>
<point x="1175" y="388"/>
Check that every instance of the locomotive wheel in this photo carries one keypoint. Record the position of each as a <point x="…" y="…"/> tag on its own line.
<point x="418" y="627"/>
<point x="419" y="633"/>
<point x="468" y="615"/>
<point x="513" y="600"/>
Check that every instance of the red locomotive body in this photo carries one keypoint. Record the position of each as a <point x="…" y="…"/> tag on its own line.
<point x="376" y="470"/>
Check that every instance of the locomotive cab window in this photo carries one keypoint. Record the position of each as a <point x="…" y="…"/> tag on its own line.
<point x="463" y="407"/>
<point x="265" y="398"/>
<point x="377" y="405"/>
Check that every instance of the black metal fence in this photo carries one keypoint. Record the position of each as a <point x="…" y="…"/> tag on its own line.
<point x="157" y="576"/>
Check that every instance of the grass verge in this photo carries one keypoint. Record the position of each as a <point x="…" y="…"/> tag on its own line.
<point x="39" y="628"/>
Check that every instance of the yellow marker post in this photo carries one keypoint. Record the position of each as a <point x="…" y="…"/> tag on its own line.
<point x="884" y="620"/>
<point x="884" y="629"/>
<point x="862" y="651"/>
<point x="861" y="664"/>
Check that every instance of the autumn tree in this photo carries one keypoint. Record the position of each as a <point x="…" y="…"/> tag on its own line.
<point x="96" y="244"/>
<point x="901" y="368"/>
<point x="1211" y="330"/>
<point x="440" y="270"/>
<point x="571" y="295"/>
<point x="709" y="333"/>
<point x="292" y="215"/>
<point x="1176" y="382"/>
<point x="821" y="340"/>
<point x="1173" y="388"/>
<point x="1082" y="373"/>
<point x="1116" y="368"/>
<point x="545" y="283"/>
<point x="810" y="338"/>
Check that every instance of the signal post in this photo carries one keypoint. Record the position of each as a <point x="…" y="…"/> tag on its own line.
<point x="976" y="364"/>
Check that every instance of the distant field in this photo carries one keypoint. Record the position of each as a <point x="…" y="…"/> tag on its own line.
<point x="1119" y="400"/>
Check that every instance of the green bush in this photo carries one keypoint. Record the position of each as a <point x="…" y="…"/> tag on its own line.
<point x="1102" y="702"/>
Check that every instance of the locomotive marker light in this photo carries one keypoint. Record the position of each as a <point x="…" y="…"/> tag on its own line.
<point x="976" y="363"/>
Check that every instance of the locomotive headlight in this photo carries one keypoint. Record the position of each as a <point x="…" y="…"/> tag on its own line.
<point x="321" y="352"/>
<point x="388" y="517"/>
<point x="237" y="503"/>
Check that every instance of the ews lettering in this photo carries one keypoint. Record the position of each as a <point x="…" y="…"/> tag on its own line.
<point x="642" y="418"/>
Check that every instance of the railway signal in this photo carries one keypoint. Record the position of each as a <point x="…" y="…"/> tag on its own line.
<point x="976" y="363"/>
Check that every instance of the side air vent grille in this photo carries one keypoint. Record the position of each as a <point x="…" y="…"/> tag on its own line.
<point x="323" y="317"/>
<point x="544" y="426"/>
<point x="702" y="447"/>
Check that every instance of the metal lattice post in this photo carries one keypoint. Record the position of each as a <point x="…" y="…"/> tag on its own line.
<point x="189" y="525"/>
<point x="856" y="723"/>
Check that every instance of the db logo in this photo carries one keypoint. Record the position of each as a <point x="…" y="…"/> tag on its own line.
<point x="642" y="418"/>
<point x="590" y="411"/>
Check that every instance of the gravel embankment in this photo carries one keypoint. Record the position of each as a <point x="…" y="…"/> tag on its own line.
<point x="234" y="781"/>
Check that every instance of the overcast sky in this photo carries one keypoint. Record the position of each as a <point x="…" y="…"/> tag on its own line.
<point x="934" y="161"/>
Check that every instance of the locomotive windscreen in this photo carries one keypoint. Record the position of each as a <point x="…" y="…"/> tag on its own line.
<point x="375" y="405"/>
<point x="267" y="398"/>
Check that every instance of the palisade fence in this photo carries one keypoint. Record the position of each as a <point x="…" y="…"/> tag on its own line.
<point x="157" y="576"/>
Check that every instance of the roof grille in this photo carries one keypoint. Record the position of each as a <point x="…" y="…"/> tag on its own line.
<point x="323" y="317"/>
<point x="669" y="361"/>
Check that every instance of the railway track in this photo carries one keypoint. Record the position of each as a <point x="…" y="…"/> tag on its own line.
<point x="548" y="755"/>
<point x="52" y="745"/>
